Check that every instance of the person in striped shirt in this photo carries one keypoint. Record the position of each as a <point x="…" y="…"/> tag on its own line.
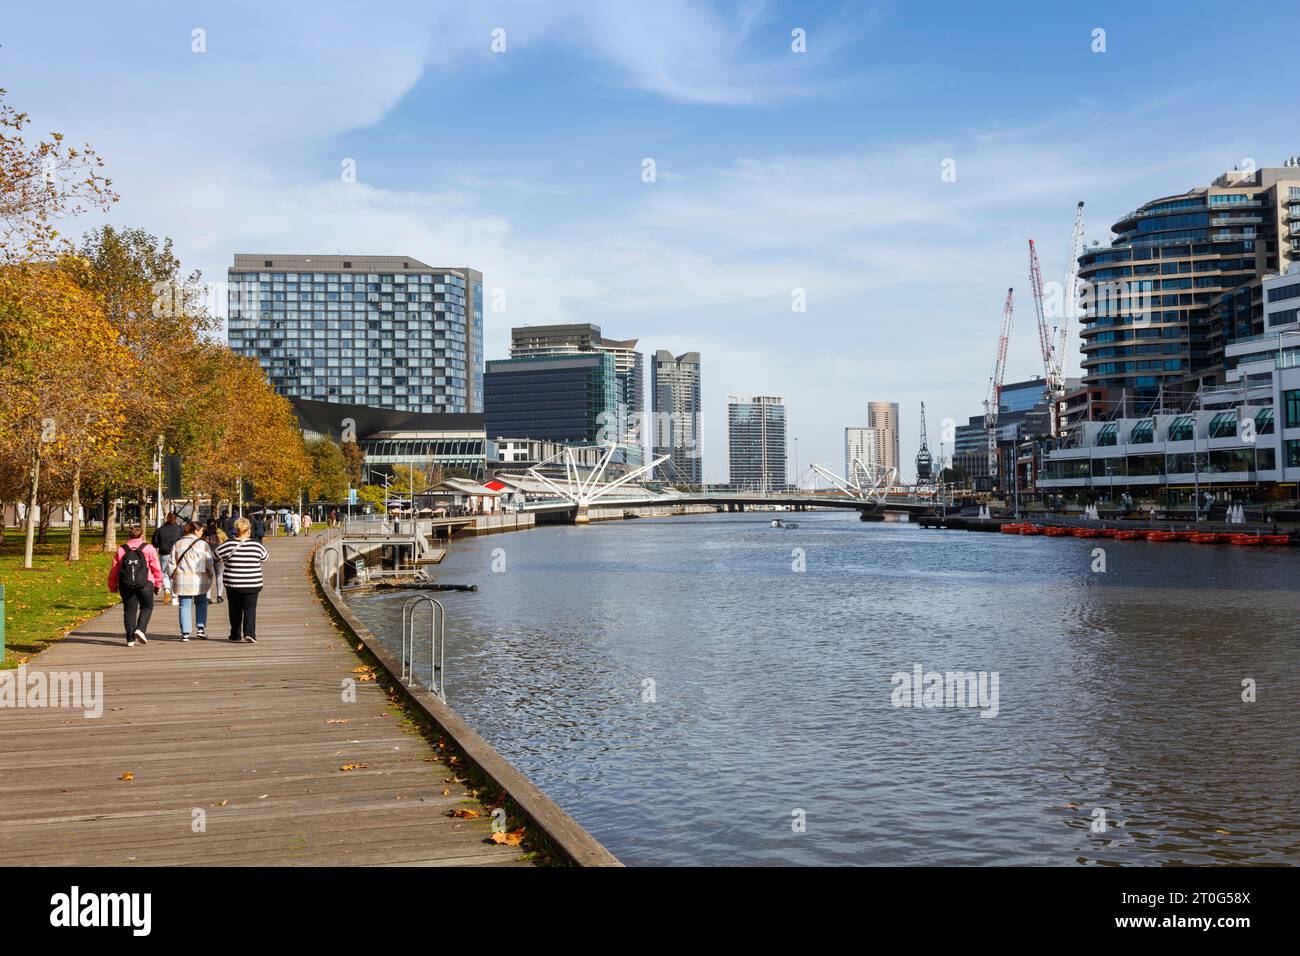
<point x="241" y="572"/>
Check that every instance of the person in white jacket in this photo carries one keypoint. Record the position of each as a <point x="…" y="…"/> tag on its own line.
<point x="192" y="571"/>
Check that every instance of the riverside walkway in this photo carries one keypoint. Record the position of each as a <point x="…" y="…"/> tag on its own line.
<point x="216" y="753"/>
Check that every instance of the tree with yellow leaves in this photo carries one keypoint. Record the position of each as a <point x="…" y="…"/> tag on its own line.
<point x="54" y="344"/>
<point x="39" y="183"/>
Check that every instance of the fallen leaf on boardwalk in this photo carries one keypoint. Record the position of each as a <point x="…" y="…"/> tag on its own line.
<point x="127" y="776"/>
<point x="352" y="766"/>
<point x="465" y="814"/>
<point x="338" y="720"/>
<point x="445" y="793"/>
<point x="1224" y="832"/>
<point x="430" y="759"/>
<point x="513" y="838"/>
<point x="221" y="804"/>
<point x="1071" y="806"/>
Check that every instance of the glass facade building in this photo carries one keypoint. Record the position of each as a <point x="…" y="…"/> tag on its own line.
<point x="563" y="398"/>
<point x="675" y="399"/>
<point x="585" y="339"/>
<point x="383" y="331"/>
<point x="1182" y="279"/>
<point x="756" y="442"/>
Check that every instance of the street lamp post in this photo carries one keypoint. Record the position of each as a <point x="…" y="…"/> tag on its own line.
<point x="158" y="467"/>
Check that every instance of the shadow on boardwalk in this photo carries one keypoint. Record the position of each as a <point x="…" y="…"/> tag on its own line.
<point x="250" y="735"/>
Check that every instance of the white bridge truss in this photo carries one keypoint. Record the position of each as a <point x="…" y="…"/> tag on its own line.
<point x="582" y="490"/>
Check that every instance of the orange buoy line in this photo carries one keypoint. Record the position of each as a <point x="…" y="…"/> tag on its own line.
<point x="1242" y="538"/>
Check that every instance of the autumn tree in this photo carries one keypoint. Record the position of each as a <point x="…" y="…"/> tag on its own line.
<point x="54" y="344"/>
<point x="329" y="474"/>
<point x="355" y="458"/>
<point x="159" y="317"/>
<point x="41" y="183"/>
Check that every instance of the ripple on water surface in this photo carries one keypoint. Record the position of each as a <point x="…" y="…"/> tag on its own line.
<point x="1117" y="692"/>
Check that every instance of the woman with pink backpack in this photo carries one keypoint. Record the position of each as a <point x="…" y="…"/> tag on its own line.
<point x="137" y="575"/>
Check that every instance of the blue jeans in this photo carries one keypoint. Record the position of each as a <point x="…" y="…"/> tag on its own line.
<point x="192" y="606"/>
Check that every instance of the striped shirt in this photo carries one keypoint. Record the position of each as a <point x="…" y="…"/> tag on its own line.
<point x="241" y="563"/>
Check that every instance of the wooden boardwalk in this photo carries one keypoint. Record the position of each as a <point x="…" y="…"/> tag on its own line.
<point x="253" y="736"/>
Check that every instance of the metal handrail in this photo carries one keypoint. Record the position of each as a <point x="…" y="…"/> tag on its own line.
<point x="437" y="642"/>
<point x="337" y="548"/>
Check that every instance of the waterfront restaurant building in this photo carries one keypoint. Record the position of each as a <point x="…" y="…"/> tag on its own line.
<point x="1240" y="440"/>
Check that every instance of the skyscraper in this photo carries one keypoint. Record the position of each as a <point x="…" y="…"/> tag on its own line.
<point x="861" y="460"/>
<point x="883" y="418"/>
<point x="381" y="331"/>
<point x="756" y="442"/>
<point x="585" y="338"/>
<point x="675" y="431"/>
<point x="1183" y="279"/>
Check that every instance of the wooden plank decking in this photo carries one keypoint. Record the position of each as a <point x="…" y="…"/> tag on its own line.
<point x="239" y="731"/>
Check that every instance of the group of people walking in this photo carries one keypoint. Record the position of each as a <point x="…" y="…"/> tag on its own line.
<point x="192" y="564"/>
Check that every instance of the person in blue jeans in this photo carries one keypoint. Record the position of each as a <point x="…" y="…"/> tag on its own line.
<point x="193" y="567"/>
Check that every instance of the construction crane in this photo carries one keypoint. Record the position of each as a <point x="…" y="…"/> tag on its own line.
<point x="995" y="386"/>
<point x="924" y="463"/>
<point x="1071" y="303"/>
<point x="1054" y="342"/>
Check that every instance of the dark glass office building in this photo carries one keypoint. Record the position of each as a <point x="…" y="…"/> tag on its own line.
<point x="569" y="399"/>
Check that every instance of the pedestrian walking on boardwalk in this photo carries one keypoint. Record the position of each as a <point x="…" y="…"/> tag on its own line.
<point x="214" y="536"/>
<point x="258" y="526"/>
<point x="136" y="574"/>
<point x="164" y="540"/>
<point x="193" y="568"/>
<point x="296" y="523"/>
<point x="306" y="522"/>
<point x="241" y="558"/>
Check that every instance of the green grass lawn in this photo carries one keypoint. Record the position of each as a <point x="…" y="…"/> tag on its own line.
<point x="43" y="604"/>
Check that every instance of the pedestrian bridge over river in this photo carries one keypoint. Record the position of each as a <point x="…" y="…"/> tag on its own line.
<point x="543" y="490"/>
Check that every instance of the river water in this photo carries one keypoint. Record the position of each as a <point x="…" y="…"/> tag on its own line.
<point x="686" y="694"/>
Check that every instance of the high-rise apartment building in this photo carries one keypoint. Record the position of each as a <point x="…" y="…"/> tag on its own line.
<point x="756" y="442"/>
<point x="675" y="414"/>
<point x="585" y="338"/>
<point x="883" y="417"/>
<point x="1183" y="279"/>
<point x="861" y="457"/>
<point x="382" y="331"/>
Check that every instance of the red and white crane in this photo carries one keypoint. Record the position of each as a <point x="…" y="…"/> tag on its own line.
<point x="994" y="398"/>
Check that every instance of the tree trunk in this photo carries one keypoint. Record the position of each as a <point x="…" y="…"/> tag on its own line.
<point x="74" y="533"/>
<point x="110" y="522"/>
<point x="144" y="512"/>
<point x="33" y="488"/>
<point x="47" y="511"/>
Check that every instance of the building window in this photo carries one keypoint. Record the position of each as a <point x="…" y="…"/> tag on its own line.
<point x="1292" y="401"/>
<point x="1264" y="422"/>
<point x="1108" y="435"/>
<point x="1293" y="453"/>
<point x="1143" y="433"/>
<point x="1223" y="425"/>
<point x="1181" y="429"/>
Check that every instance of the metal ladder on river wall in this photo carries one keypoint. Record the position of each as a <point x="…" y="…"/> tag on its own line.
<point x="437" y="642"/>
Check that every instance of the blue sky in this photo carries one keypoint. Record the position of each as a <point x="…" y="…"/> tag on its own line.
<point x="776" y="170"/>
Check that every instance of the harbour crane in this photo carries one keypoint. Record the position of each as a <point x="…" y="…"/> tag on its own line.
<point x="924" y="463"/>
<point x="995" y="386"/>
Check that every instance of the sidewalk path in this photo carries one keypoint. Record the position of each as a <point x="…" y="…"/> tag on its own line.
<point x="250" y="735"/>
